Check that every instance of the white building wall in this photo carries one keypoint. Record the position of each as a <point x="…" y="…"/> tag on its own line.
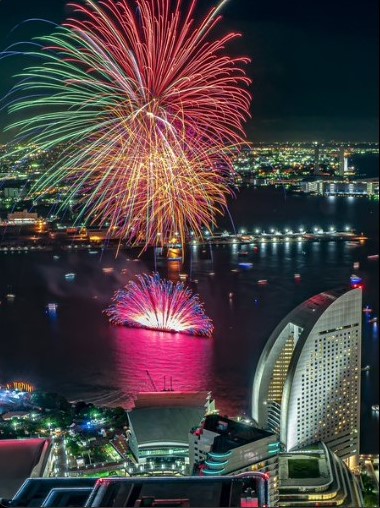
<point x="323" y="394"/>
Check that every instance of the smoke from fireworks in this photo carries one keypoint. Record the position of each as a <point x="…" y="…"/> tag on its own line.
<point x="150" y="109"/>
<point x="157" y="304"/>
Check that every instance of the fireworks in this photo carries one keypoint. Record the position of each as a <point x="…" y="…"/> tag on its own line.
<point x="157" y="304"/>
<point x="151" y="110"/>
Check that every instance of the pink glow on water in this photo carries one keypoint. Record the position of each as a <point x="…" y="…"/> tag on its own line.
<point x="175" y="361"/>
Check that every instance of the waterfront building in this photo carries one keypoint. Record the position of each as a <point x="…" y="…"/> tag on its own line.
<point x="315" y="476"/>
<point x="25" y="217"/>
<point x="159" y="429"/>
<point x="327" y="187"/>
<point x="343" y="162"/>
<point x="221" y="446"/>
<point x="307" y="383"/>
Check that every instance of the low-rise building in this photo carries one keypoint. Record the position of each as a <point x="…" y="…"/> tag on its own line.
<point x="221" y="446"/>
<point x="314" y="477"/>
<point x="159" y="429"/>
<point x="328" y="187"/>
<point x="249" y="490"/>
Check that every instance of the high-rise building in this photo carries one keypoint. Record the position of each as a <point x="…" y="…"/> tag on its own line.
<point x="317" y="157"/>
<point x="343" y="163"/>
<point x="307" y="383"/>
<point x="222" y="446"/>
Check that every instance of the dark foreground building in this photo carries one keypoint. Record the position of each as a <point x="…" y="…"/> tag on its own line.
<point x="248" y="490"/>
<point x="20" y="459"/>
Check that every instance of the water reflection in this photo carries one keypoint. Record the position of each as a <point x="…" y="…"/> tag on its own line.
<point x="181" y="357"/>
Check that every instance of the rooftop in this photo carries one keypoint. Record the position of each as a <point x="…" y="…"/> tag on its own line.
<point x="171" y="399"/>
<point x="164" y="424"/>
<point x="232" y="434"/>
<point x="19" y="459"/>
<point x="190" y="491"/>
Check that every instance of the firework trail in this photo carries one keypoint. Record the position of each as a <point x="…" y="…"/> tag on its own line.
<point x="156" y="304"/>
<point x="149" y="109"/>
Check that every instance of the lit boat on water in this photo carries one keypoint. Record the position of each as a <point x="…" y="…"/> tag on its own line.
<point x="367" y="310"/>
<point x="297" y="276"/>
<point x="374" y="257"/>
<point x="356" y="281"/>
<point x="246" y="266"/>
<point x="70" y="276"/>
<point x="263" y="282"/>
<point x="56" y="258"/>
<point x="107" y="270"/>
<point x="367" y="368"/>
<point x="356" y="265"/>
<point x="10" y="297"/>
<point x="375" y="408"/>
<point x="183" y="276"/>
<point x="373" y="320"/>
<point x="52" y="307"/>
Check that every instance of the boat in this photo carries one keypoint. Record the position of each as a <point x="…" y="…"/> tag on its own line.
<point x="107" y="270"/>
<point x="55" y="258"/>
<point x="297" y="276"/>
<point x="366" y="368"/>
<point x="93" y="252"/>
<point x="375" y="407"/>
<point x="212" y="274"/>
<point x="374" y="257"/>
<point x="356" y="281"/>
<point x="70" y="276"/>
<point x="243" y="254"/>
<point x="10" y="297"/>
<point x="374" y="320"/>
<point x="356" y="265"/>
<point x="367" y="310"/>
<point x="263" y="282"/>
<point x="246" y="266"/>
<point x="52" y="307"/>
<point x="183" y="276"/>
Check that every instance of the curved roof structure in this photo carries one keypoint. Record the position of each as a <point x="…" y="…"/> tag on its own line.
<point x="20" y="459"/>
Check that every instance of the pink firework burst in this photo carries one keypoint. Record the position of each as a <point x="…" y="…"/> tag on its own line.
<point x="157" y="304"/>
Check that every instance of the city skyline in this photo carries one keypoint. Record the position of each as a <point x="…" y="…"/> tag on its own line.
<point x="176" y="302"/>
<point x="314" y="68"/>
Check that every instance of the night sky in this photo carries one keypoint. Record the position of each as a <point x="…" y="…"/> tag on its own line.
<point x="314" y="64"/>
